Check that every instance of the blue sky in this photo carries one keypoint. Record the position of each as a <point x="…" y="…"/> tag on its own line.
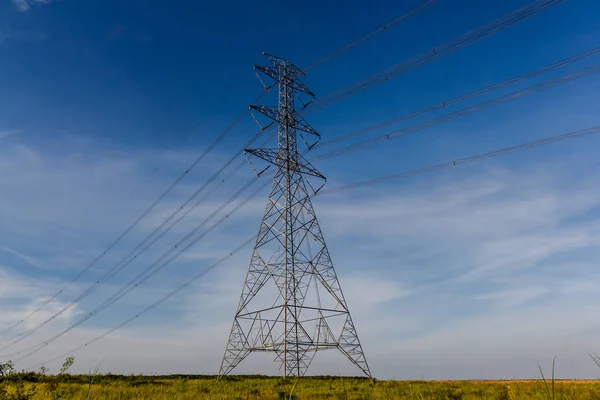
<point x="482" y="271"/>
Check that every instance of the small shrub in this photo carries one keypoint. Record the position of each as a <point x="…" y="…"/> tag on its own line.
<point x="66" y="365"/>
<point x="7" y="368"/>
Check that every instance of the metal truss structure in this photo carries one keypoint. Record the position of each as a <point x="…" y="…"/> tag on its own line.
<point x="291" y="303"/>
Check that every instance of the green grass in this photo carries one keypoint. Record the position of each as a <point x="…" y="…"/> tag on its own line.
<point x="112" y="387"/>
<point x="95" y="386"/>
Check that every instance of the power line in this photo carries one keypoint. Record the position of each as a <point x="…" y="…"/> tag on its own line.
<point x="362" y="39"/>
<point x="455" y="100"/>
<point x="469" y="110"/>
<point x="339" y="51"/>
<point x="466" y="160"/>
<point x="235" y="123"/>
<point x="479" y="157"/>
<point x="195" y="163"/>
<point x="153" y="268"/>
<point x="455" y="44"/>
<point x="541" y="6"/>
<point x="382" y="28"/>
<point x="130" y="257"/>
<point x="126" y="261"/>
<point x="321" y="105"/>
<point x="547" y="84"/>
<point x="190" y="168"/>
<point x="151" y="306"/>
<point x="143" y="246"/>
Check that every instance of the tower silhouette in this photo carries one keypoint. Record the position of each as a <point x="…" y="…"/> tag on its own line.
<point x="291" y="303"/>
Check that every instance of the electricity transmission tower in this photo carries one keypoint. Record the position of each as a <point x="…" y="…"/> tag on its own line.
<point x="291" y="303"/>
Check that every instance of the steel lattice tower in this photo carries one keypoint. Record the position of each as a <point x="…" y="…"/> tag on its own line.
<point x="291" y="302"/>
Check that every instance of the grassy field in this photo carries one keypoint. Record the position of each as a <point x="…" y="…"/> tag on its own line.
<point x="113" y="387"/>
<point x="41" y="386"/>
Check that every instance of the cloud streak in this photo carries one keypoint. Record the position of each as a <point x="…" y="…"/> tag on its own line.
<point x="440" y="277"/>
<point x="7" y="133"/>
<point x="29" y="260"/>
<point x="25" y="5"/>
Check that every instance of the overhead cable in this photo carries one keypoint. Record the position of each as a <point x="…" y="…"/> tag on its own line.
<point x="469" y="38"/>
<point x="142" y="247"/>
<point x="170" y="255"/>
<point x="451" y="164"/>
<point x="466" y="160"/>
<point x="455" y="100"/>
<point x="195" y="163"/>
<point x="192" y="166"/>
<point x="151" y="306"/>
<point x="382" y="28"/>
<point x="469" y="110"/>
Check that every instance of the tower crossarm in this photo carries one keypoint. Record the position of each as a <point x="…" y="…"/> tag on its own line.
<point x="296" y="120"/>
<point x="296" y="84"/>
<point x="275" y="157"/>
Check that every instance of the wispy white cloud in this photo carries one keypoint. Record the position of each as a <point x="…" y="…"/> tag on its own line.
<point x="514" y="297"/>
<point x="21" y="294"/>
<point x="440" y="278"/>
<point x="66" y="227"/>
<point x="29" y="260"/>
<point x="6" y="133"/>
<point x="17" y="286"/>
<point x="25" y="5"/>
